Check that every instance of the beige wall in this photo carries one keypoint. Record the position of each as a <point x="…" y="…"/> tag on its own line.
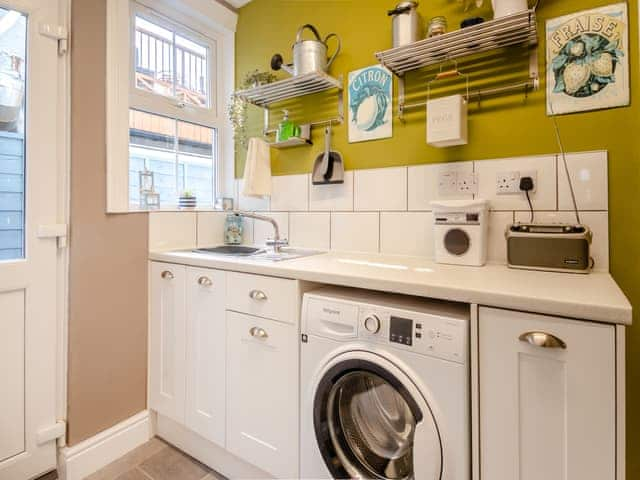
<point x="108" y="273"/>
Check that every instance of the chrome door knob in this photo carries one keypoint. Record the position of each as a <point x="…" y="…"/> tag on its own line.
<point x="372" y="324"/>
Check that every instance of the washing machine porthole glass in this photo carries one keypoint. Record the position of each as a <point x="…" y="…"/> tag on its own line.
<point x="372" y="427"/>
<point x="457" y="241"/>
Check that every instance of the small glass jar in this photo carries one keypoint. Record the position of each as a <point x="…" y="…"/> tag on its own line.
<point x="437" y="26"/>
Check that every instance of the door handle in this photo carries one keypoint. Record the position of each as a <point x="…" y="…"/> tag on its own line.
<point x="543" y="340"/>
<point x="258" y="295"/>
<point x="167" y="275"/>
<point x="258" y="332"/>
<point x="205" y="281"/>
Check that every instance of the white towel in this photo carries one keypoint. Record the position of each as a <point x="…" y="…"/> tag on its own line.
<point x="257" y="170"/>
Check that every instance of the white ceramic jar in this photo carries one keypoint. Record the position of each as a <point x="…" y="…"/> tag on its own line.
<point x="502" y="8"/>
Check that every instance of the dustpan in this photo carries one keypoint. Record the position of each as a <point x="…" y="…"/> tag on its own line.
<point x="328" y="167"/>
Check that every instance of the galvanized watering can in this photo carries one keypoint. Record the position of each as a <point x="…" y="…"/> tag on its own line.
<point x="308" y="55"/>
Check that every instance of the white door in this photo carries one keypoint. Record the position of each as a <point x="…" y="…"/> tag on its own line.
<point x="547" y="398"/>
<point x="206" y="359"/>
<point x="29" y="146"/>
<point x="167" y="340"/>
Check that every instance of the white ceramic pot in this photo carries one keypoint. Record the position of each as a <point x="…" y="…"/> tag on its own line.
<point x="502" y="8"/>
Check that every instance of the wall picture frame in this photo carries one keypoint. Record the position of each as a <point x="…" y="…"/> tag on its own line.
<point x="588" y="60"/>
<point x="370" y="104"/>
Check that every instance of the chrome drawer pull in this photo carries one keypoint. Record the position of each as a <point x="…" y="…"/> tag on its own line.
<point x="167" y="275"/>
<point x="258" y="332"/>
<point x="258" y="295"/>
<point x="543" y="339"/>
<point x="205" y="281"/>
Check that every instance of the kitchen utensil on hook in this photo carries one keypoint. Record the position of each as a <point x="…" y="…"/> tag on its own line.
<point x="328" y="167"/>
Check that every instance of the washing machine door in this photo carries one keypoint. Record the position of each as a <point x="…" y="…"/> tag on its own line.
<point x="371" y="422"/>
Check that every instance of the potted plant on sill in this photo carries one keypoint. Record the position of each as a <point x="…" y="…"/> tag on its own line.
<point x="187" y="200"/>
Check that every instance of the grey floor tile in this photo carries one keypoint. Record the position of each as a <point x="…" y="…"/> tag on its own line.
<point x="134" y="474"/>
<point x="171" y="464"/>
<point x="130" y="460"/>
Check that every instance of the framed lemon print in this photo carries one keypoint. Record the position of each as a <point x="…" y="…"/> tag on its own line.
<point x="588" y="60"/>
<point x="370" y="104"/>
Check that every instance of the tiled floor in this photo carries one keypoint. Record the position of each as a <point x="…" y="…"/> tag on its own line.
<point x="156" y="460"/>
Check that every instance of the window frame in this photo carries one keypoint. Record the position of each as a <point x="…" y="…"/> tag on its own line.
<point x="202" y="21"/>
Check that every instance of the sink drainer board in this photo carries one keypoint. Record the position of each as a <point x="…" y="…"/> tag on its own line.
<point x="230" y="250"/>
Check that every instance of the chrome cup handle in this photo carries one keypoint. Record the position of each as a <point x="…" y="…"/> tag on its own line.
<point x="167" y="275"/>
<point x="543" y="340"/>
<point x="205" y="281"/>
<point x="259" y="333"/>
<point x="258" y="295"/>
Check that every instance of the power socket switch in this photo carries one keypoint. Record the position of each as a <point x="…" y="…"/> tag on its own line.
<point x="447" y="183"/>
<point x="467" y="183"/>
<point x="508" y="183"/>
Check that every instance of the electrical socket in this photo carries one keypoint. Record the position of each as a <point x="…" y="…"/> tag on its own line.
<point x="508" y="183"/>
<point x="467" y="183"/>
<point x="457" y="183"/>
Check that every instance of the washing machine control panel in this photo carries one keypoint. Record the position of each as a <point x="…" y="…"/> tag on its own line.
<point x="426" y="334"/>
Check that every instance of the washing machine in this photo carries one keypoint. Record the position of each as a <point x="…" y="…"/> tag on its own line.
<point x="384" y="387"/>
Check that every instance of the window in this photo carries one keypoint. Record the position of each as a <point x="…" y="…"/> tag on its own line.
<point x="13" y="55"/>
<point x="172" y="120"/>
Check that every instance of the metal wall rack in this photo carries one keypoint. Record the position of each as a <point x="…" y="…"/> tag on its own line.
<point x="264" y="96"/>
<point x="512" y="30"/>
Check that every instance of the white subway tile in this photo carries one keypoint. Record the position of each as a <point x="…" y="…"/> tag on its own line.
<point x="355" y="232"/>
<point x="497" y="242"/>
<point x="407" y="233"/>
<point x="211" y="228"/>
<point x="424" y="180"/>
<point x="589" y="176"/>
<point x="172" y="230"/>
<point x="251" y="204"/>
<point x="381" y="189"/>
<point x="598" y="222"/>
<point x="310" y="230"/>
<point x="332" y="198"/>
<point x="263" y="231"/>
<point x="290" y="193"/>
<point x="545" y="195"/>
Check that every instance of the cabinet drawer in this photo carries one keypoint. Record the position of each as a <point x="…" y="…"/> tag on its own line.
<point x="268" y="297"/>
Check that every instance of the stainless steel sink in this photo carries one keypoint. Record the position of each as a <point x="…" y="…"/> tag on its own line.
<point x="231" y="250"/>
<point x="257" y="253"/>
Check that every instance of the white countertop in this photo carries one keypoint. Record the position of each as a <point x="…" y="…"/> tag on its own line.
<point x="590" y="297"/>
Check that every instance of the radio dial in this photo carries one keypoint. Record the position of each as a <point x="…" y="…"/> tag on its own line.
<point x="372" y="324"/>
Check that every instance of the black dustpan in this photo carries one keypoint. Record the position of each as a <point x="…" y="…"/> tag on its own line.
<point x="328" y="167"/>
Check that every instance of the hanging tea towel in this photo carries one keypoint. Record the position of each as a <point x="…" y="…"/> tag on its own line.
<point x="257" y="170"/>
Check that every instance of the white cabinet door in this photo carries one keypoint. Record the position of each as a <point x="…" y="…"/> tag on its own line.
<point x="167" y="340"/>
<point x="205" y="388"/>
<point x="262" y="397"/>
<point x="546" y="413"/>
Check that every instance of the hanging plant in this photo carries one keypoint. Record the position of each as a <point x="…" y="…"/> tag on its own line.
<point x="237" y="109"/>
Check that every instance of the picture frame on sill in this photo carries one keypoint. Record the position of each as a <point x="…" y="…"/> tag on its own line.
<point x="370" y="104"/>
<point x="588" y="60"/>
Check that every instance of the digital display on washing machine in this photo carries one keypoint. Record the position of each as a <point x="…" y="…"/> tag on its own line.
<point x="401" y="331"/>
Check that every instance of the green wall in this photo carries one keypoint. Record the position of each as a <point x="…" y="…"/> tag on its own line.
<point x="508" y="126"/>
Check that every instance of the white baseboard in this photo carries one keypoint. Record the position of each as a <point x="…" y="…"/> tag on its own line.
<point x="89" y="456"/>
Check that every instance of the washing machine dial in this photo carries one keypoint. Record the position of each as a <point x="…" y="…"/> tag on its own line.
<point x="372" y="324"/>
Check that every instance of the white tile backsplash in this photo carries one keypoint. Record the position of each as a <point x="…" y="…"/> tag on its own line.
<point x="332" y="198"/>
<point x="211" y="228"/>
<point x="290" y="193"/>
<point x="310" y="230"/>
<point x="598" y="222"/>
<point x="263" y="231"/>
<point x="497" y="242"/>
<point x="544" y="197"/>
<point x="407" y="233"/>
<point x="172" y="230"/>
<point x="355" y="232"/>
<point x="251" y="204"/>
<point x="388" y="209"/>
<point x="589" y="176"/>
<point x="380" y="189"/>
<point x="423" y="183"/>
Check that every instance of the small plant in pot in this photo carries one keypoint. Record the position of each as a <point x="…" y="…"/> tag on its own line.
<point x="187" y="200"/>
